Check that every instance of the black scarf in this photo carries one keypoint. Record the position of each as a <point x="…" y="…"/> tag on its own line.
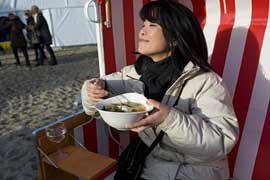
<point x="158" y="76"/>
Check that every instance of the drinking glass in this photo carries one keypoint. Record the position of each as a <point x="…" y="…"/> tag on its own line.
<point x="56" y="134"/>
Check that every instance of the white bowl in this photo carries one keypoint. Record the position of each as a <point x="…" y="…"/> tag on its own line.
<point x="120" y="120"/>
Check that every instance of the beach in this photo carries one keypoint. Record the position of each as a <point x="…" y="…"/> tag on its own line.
<point x="33" y="97"/>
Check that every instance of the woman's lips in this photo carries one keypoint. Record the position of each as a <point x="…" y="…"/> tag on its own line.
<point x="143" y="40"/>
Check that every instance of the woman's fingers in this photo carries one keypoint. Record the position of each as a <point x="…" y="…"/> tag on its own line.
<point x="155" y="118"/>
<point x="133" y="127"/>
<point x="154" y="103"/>
<point x="139" y="129"/>
<point x="95" y="90"/>
<point x="100" y="83"/>
<point x="97" y="95"/>
<point x="94" y="84"/>
<point x="96" y="99"/>
<point x="147" y="121"/>
<point x="98" y="92"/>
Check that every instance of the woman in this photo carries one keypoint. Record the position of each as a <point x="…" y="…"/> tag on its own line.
<point x="193" y="106"/>
<point x="42" y="27"/>
<point x="38" y="49"/>
<point x="16" y="26"/>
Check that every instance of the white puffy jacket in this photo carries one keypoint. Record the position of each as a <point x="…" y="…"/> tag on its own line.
<point x="201" y="128"/>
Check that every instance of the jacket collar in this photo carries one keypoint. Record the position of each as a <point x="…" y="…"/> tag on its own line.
<point x="172" y="94"/>
<point x="190" y="65"/>
<point x="190" y="70"/>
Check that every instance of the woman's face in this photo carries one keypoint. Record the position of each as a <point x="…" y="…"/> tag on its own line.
<point x="152" y="42"/>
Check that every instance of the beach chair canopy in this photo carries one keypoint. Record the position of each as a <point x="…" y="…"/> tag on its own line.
<point x="238" y="38"/>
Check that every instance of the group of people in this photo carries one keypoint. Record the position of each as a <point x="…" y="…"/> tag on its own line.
<point x="192" y="104"/>
<point x="38" y="36"/>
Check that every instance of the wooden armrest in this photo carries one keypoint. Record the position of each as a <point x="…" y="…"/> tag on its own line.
<point x="82" y="163"/>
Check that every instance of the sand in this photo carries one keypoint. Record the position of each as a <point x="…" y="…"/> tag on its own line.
<point x="33" y="97"/>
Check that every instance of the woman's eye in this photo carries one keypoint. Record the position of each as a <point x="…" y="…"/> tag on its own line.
<point x="152" y="25"/>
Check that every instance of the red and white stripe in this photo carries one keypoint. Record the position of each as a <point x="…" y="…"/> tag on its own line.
<point x="256" y="90"/>
<point x="238" y="38"/>
<point x="212" y="22"/>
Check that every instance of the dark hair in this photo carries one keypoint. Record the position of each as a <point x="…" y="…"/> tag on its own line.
<point x="35" y="9"/>
<point x="181" y="30"/>
<point x="27" y="13"/>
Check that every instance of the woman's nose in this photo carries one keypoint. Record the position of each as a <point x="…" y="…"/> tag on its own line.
<point x="142" y="32"/>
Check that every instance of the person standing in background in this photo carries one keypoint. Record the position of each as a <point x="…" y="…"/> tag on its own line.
<point x="3" y="33"/>
<point x="29" y="22"/>
<point x="16" y="26"/>
<point x="38" y="48"/>
<point x="41" y="26"/>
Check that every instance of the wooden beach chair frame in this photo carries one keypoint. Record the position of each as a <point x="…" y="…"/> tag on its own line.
<point x="80" y="162"/>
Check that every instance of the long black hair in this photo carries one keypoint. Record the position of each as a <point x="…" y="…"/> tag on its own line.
<point x="181" y="30"/>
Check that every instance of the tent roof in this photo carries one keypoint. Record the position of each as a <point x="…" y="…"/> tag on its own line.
<point x="21" y="5"/>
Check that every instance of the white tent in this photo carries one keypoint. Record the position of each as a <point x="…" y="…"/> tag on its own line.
<point x="237" y="34"/>
<point x="65" y="18"/>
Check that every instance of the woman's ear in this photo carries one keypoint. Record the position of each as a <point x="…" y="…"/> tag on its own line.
<point x="174" y="43"/>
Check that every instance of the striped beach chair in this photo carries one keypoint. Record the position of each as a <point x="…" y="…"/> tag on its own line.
<point x="238" y="38"/>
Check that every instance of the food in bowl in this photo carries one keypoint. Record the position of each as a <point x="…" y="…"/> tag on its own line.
<point x="125" y="107"/>
<point x="122" y="110"/>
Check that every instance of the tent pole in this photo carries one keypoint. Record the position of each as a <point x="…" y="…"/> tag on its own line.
<point x="52" y="25"/>
<point x="100" y="45"/>
<point x="99" y="35"/>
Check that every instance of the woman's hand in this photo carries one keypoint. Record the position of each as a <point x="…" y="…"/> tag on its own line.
<point x="30" y="27"/>
<point x="96" y="90"/>
<point x="158" y="116"/>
